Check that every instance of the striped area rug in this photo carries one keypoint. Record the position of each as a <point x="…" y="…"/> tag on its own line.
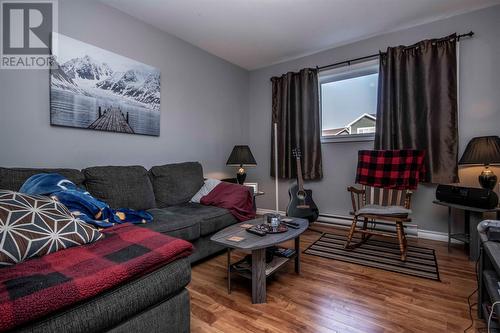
<point x="378" y="253"/>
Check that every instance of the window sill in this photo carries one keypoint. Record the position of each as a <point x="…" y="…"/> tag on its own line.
<point x="348" y="138"/>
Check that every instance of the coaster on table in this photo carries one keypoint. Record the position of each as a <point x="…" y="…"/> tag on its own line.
<point x="235" y="239"/>
<point x="246" y="225"/>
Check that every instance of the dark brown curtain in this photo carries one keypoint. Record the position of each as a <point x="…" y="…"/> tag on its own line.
<point x="296" y="111"/>
<point x="417" y="104"/>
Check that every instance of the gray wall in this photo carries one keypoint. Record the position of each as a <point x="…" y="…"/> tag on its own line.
<point x="204" y="101"/>
<point x="479" y="114"/>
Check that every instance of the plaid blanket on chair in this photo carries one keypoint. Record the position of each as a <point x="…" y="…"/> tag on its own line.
<point x="392" y="169"/>
<point x="41" y="286"/>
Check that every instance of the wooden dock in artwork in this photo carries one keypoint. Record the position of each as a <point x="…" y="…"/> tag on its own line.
<point x="112" y="120"/>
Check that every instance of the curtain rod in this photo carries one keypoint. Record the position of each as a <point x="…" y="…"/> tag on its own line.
<point x="348" y="62"/>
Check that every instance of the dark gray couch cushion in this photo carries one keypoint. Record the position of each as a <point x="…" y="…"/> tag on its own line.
<point x="173" y="224"/>
<point x="13" y="178"/>
<point x="211" y="218"/>
<point x="213" y="224"/>
<point x="174" y="184"/>
<point x="172" y="315"/>
<point x="121" y="186"/>
<point x="118" y="305"/>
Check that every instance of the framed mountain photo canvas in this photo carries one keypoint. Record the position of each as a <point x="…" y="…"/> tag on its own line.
<point x="97" y="89"/>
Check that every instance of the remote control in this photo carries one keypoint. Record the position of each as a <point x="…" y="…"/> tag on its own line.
<point x="256" y="232"/>
<point x="292" y="225"/>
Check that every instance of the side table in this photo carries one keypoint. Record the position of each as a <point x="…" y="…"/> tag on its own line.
<point x="472" y="217"/>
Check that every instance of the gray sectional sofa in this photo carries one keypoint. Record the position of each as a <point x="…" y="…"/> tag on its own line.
<point x="157" y="302"/>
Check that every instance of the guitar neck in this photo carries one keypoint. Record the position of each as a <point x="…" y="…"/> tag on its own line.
<point x="300" y="181"/>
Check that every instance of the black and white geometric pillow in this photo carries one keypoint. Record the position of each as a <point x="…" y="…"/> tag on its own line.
<point x="32" y="225"/>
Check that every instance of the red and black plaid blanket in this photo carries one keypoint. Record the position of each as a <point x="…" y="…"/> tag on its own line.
<point x="41" y="286"/>
<point x="393" y="169"/>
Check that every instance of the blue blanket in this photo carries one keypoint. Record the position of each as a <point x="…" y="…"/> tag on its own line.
<point x="80" y="203"/>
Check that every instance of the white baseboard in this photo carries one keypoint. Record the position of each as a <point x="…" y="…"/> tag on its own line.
<point x="436" y="235"/>
<point x="262" y="211"/>
<point x="412" y="229"/>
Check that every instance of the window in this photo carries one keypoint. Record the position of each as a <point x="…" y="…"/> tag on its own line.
<point x="366" y="130"/>
<point x="349" y="102"/>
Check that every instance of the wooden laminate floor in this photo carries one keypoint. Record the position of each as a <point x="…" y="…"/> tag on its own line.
<point x="333" y="296"/>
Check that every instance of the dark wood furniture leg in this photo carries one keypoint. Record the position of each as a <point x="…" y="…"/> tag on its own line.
<point x="474" y="219"/>
<point x="297" y="255"/>
<point x="467" y="231"/>
<point x="365" y="225"/>
<point x="449" y="228"/>
<point x="480" y="288"/>
<point x="259" y="276"/>
<point x="228" y="270"/>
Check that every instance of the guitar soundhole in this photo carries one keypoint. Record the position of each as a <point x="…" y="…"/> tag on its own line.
<point x="301" y="195"/>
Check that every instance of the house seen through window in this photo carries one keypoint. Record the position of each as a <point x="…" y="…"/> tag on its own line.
<point x="349" y="102"/>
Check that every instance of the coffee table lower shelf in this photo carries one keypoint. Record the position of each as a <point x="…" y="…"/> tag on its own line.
<point x="271" y="267"/>
<point x="262" y="270"/>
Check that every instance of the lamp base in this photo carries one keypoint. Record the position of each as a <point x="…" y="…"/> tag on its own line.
<point x="487" y="179"/>
<point x="241" y="177"/>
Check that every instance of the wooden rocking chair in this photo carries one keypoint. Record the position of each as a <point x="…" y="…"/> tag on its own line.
<point x="371" y="204"/>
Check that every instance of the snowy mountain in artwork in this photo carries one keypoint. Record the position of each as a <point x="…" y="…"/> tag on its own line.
<point x="138" y="84"/>
<point x="141" y="86"/>
<point x="86" y="68"/>
<point x="61" y="80"/>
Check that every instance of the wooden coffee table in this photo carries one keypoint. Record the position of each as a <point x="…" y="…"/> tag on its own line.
<point x="257" y="246"/>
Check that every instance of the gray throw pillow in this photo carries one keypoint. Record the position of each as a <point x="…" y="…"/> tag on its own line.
<point x="176" y="183"/>
<point x="33" y="226"/>
<point x="121" y="186"/>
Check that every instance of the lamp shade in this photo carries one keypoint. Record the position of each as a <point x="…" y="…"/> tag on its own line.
<point x="482" y="150"/>
<point x="241" y="155"/>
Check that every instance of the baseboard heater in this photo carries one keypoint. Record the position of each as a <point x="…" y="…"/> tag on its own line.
<point x="346" y="221"/>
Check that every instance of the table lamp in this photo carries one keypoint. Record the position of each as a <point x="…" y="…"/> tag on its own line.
<point x="484" y="150"/>
<point x="241" y="156"/>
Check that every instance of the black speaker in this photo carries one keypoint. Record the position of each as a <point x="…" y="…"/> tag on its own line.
<point x="467" y="196"/>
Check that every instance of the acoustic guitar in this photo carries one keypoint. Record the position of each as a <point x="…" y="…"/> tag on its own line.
<point x="301" y="202"/>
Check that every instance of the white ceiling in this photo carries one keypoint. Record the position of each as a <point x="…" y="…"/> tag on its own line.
<point x="257" y="33"/>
